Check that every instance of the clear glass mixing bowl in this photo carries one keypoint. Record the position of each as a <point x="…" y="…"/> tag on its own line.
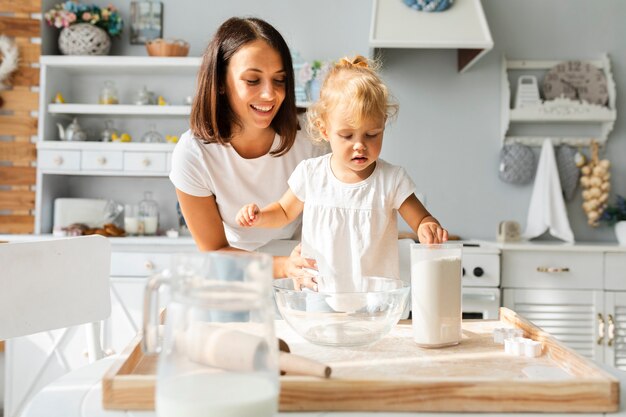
<point x="343" y="319"/>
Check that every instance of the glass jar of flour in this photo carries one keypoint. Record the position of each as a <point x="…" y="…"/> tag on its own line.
<point x="436" y="294"/>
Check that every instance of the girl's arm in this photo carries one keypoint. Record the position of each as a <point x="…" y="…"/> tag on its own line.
<point x="422" y="222"/>
<point x="206" y="227"/>
<point x="277" y="214"/>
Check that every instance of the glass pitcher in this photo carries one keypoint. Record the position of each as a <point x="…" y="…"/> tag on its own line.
<point x="218" y="354"/>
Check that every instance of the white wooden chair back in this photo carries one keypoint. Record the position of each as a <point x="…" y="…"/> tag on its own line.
<point x="47" y="285"/>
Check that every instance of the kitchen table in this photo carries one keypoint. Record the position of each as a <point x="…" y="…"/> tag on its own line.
<point x="79" y="394"/>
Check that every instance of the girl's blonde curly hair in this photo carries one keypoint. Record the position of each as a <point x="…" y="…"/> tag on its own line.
<point x="355" y="83"/>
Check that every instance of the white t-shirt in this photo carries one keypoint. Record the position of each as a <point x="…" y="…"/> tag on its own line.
<point x="203" y="170"/>
<point x="350" y="229"/>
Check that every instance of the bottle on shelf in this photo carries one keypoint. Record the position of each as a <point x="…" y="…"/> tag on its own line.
<point x="109" y="132"/>
<point x="148" y="215"/>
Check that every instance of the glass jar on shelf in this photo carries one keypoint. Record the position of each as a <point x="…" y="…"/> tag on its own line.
<point x="152" y="136"/>
<point x="108" y="94"/>
<point x="143" y="97"/>
<point x="148" y="215"/>
<point x="109" y="131"/>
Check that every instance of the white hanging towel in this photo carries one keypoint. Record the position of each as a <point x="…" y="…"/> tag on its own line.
<point x="547" y="207"/>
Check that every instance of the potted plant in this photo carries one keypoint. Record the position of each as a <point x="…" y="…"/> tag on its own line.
<point x="616" y="215"/>
<point x="85" y="29"/>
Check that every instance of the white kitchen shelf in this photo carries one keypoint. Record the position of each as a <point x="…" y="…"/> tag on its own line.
<point x="119" y="109"/>
<point x="559" y="111"/>
<point x="104" y="146"/>
<point x="84" y="64"/>
<point x="463" y="27"/>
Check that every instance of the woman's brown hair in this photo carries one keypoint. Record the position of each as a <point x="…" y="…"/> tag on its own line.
<point x="211" y="115"/>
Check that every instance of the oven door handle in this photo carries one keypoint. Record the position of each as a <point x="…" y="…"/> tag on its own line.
<point x="481" y="297"/>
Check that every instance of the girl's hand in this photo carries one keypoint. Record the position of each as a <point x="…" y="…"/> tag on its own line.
<point x="295" y="268"/>
<point x="431" y="232"/>
<point x="248" y="215"/>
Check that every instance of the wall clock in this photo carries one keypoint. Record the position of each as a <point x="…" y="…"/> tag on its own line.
<point x="576" y="80"/>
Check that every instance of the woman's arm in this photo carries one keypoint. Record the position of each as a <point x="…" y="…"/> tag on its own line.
<point x="206" y="227"/>
<point x="203" y="220"/>
<point x="422" y="222"/>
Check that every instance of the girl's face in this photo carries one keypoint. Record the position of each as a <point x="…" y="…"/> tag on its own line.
<point x="255" y="84"/>
<point x="355" y="148"/>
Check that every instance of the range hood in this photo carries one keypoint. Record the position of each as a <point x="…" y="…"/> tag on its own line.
<point x="462" y="27"/>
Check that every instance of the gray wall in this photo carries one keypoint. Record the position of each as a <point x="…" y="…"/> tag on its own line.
<point x="447" y="132"/>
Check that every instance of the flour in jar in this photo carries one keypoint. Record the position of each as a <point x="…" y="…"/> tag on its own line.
<point x="436" y="301"/>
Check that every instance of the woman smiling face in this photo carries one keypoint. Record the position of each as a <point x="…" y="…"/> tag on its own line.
<point x="255" y="85"/>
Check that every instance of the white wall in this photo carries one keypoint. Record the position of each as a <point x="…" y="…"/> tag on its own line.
<point x="447" y="133"/>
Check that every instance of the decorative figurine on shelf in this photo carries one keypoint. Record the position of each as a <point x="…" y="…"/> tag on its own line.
<point x="73" y="132"/>
<point x="58" y="98"/>
<point x="85" y="29"/>
<point x="161" y="101"/>
<point x="124" y="137"/>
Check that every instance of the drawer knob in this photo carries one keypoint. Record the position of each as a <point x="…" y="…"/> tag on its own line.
<point x="146" y="162"/>
<point x="149" y="265"/>
<point x="58" y="160"/>
<point x="102" y="160"/>
<point x="550" y="269"/>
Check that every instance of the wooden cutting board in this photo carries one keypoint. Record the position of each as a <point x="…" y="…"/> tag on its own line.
<point x="396" y="375"/>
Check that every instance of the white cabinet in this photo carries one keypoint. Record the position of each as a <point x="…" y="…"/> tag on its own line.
<point x="577" y="293"/>
<point x="112" y="170"/>
<point x="571" y="316"/>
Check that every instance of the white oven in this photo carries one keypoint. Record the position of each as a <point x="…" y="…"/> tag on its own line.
<point x="481" y="280"/>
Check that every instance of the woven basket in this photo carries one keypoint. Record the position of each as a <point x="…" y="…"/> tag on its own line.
<point x="84" y="39"/>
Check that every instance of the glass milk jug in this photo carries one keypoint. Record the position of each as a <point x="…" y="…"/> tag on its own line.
<point x="148" y="215"/>
<point x="436" y="294"/>
<point x="218" y="354"/>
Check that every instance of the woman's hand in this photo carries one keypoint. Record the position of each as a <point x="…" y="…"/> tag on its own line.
<point x="295" y="268"/>
<point x="431" y="232"/>
<point x="248" y="215"/>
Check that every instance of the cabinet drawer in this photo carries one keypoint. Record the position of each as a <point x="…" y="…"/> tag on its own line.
<point x="552" y="269"/>
<point x="144" y="161"/>
<point x="615" y="271"/>
<point x="102" y="160"/>
<point x="138" y="264"/>
<point x="61" y="160"/>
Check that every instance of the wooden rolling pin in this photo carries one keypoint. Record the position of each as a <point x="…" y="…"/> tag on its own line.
<point x="292" y="364"/>
<point x="231" y="349"/>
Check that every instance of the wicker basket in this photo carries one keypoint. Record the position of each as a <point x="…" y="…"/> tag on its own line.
<point x="167" y="47"/>
<point x="84" y="39"/>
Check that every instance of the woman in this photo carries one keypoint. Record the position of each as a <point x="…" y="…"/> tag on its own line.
<point x="243" y="143"/>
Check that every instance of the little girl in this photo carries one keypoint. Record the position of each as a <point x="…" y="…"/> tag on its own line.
<point x="349" y="197"/>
